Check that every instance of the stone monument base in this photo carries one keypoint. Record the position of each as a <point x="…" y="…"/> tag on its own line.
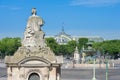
<point x="89" y="65"/>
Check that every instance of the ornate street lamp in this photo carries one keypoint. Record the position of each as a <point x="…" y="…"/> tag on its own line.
<point x="106" y="61"/>
<point x="106" y="69"/>
<point x="94" y="78"/>
<point x="94" y="68"/>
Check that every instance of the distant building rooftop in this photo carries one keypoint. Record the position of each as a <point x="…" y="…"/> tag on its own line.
<point x="63" y="38"/>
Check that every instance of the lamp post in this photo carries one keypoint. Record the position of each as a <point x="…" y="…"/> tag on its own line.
<point x="94" y="78"/>
<point x="107" y="66"/>
<point x="106" y="69"/>
<point x="0" y="55"/>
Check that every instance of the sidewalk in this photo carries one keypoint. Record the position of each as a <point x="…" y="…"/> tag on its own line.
<point x="3" y="78"/>
<point x="2" y="65"/>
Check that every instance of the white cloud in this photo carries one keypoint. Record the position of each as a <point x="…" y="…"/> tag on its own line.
<point x="94" y="2"/>
<point x="10" y="7"/>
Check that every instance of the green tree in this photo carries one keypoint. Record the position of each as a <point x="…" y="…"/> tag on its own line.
<point x="58" y="49"/>
<point x="71" y="47"/>
<point x="110" y="46"/>
<point x="51" y="42"/>
<point x="82" y="42"/>
<point x="8" y="46"/>
<point x="62" y="49"/>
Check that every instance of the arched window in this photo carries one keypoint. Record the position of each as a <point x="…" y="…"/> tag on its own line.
<point x="34" y="76"/>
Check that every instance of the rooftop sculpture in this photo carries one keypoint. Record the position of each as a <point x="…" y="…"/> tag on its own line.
<point x="33" y="43"/>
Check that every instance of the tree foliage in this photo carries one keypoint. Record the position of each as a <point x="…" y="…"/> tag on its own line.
<point x="51" y="42"/>
<point x="71" y="47"/>
<point x="82" y="42"/>
<point x="9" y="45"/>
<point x="58" y="49"/>
<point x="111" y="46"/>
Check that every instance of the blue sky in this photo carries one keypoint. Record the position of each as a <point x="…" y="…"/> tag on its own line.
<point x="80" y="17"/>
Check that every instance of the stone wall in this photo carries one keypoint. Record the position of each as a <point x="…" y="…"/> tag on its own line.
<point x="88" y="65"/>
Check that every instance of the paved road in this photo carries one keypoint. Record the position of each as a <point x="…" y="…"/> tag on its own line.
<point x="86" y="74"/>
<point x="3" y="73"/>
<point x="79" y="74"/>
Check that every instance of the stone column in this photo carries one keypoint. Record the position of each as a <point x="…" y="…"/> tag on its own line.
<point x="52" y="75"/>
<point x="9" y="73"/>
<point x="22" y="73"/>
<point x="58" y="73"/>
<point x="46" y="73"/>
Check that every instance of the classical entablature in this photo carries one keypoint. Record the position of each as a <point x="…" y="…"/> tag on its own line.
<point x="34" y="61"/>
